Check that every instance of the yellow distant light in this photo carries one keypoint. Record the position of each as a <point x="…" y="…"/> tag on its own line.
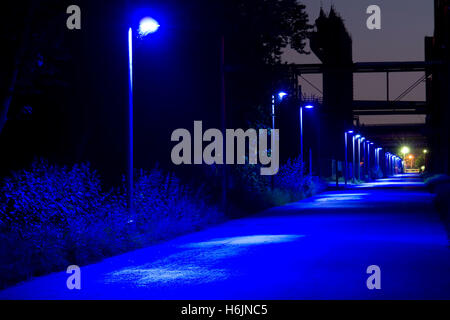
<point x="405" y="150"/>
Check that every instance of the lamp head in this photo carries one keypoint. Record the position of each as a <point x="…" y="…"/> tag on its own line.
<point x="281" y="95"/>
<point x="147" y="25"/>
<point x="405" y="150"/>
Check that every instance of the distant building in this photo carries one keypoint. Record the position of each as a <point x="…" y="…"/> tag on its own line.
<point x="332" y="44"/>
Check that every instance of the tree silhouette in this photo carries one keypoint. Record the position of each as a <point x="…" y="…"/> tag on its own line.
<point x="256" y="32"/>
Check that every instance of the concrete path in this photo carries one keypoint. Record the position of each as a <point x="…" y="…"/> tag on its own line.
<point x="318" y="248"/>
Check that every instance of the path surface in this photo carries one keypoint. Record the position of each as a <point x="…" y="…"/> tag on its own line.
<point x="318" y="248"/>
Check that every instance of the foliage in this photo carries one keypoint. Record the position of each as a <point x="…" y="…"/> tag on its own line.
<point x="256" y="33"/>
<point x="254" y="192"/>
<point x="261" y="29"/>
<point x="52" y="216"/>
<point x="439" y="184"/>
<point x="376" y="173"/>
<point x="435" y="180"/>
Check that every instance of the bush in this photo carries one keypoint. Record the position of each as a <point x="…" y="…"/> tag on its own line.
<point x="52" y="216"/>
<point x="440" y="185"/>
<point x="434" y="181"/>
<point x="253" y="192"/>
<point x="376" y="173"/>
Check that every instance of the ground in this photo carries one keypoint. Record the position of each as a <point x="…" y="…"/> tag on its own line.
<point x="318" y="248"/>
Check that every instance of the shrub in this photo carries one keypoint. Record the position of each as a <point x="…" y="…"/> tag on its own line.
<point x="435" y="180"/>
<point x="376" y="173"/>
<point x="440" y="185"/>
<point x="253" y="192"/>
<point x="52" y="216"/>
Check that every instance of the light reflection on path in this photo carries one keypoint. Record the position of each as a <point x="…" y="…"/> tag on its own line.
<point x="318" y="248"/>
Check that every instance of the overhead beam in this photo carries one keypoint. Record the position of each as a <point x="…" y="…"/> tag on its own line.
<point x="388" y="112"/>
<point x="367" y="67"/>
<point x="366" y="107"/>
<point x="382" y="104"/>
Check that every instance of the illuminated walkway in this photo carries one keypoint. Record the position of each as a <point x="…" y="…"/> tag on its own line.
<point x="314" y="249"/>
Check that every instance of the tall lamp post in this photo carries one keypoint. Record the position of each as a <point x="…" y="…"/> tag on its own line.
<point x="405" y="150"/>
<point x="368" y="159"/>
<point x="360" y="139"/>
<point x="425" y="152"/>
<point x="309" y="107"/>
<point x="280" y="96"/>
<point x="146" y="26"/>
<point x="388" y="160"/>
<point x="346" y="155"/>
<point x="364" y="156"/>
<point x="377" y="159"/>
<point x="354" y="156"/>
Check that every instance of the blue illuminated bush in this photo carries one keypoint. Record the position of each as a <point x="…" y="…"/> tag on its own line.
<point x="296" y="183"/>
<point x="250" y="187"/>
<point x="53" y="216"/>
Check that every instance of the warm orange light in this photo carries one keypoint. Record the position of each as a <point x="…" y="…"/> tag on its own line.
<point x="411" y="156"/>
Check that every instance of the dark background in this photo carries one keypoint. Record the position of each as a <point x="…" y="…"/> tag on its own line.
<point x="177" y="81"/>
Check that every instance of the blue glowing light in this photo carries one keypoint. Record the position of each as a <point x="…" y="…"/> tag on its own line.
<point x="350" y="131"/>
<point x="148" y="25"/>
<point x="309" y="106"/>
<point x="281" y="95"/>
<point x="357" y="136"/>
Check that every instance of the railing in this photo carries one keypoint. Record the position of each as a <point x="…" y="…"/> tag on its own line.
<point x="412" y="170"/>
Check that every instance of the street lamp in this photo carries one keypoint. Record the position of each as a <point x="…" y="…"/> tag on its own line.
<point x="425" y="152"/>
<point x="389" y="164"/>
<point x="308" y="106"/>
<point x="360" y="139"/>
<point x="355" y="137"/>
<point x="364" y="142"/>
<point x="377" y="160"/>
<point x="346" y="155"/>
<point x="280" y="96"/>
<point x="368" y="158"/>
<point x="405" y="150"/>
<point x="147" y="26"/>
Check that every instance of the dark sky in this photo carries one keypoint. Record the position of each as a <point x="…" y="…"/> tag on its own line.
<point x="404" y="24"/>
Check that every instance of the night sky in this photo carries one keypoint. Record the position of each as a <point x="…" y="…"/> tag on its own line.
<point x="404" y="24"/>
